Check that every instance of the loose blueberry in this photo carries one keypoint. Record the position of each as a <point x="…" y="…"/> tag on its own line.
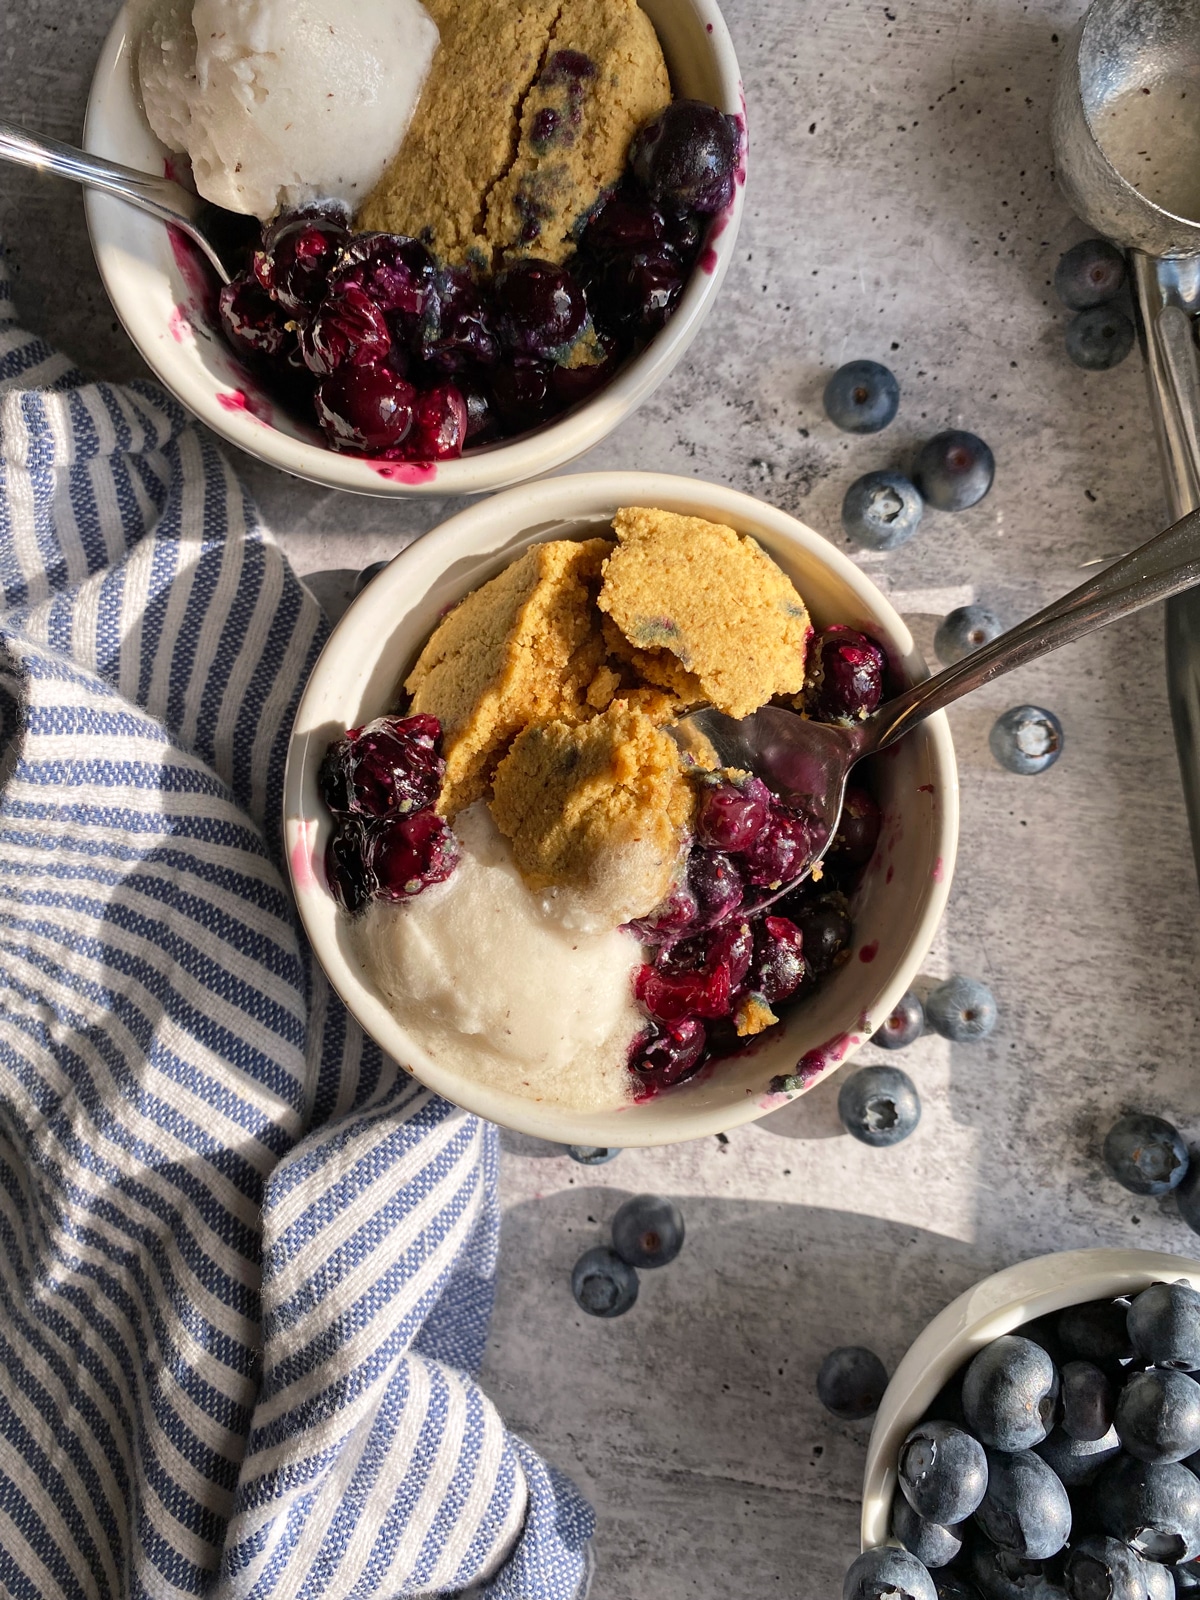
<point x="843" y="679"/>
<point x="592" y="1155"/>
<point x="905" y="1023"/>
<point x="1153" y="1507"/>
<point x="398" y="274"/>
<point x="1026" y="1508"/>
<point x="716" y="884"/>
<point x="1010" y="1394"/>
<point x="346" y="865"/>
<point x="961" y="1009"/>
<point x="541" y="309"/>
<point x="730" y="816"/>
<point x="888" y="1574"/>
<point x="253" y="322"/>
<point x="1164" y="1324"/>
<point x="857" y="830"/>
<point x="879" y="1106"/>
<point x="687" y="156"/>
<point x="1078" y="1461"/>
<point x="347" y="329"/>
<point x="942" y="1472"/>
<point x="1096" y="1330"/>
<point x="1100" y="338"/>
<point x="1145" y="1154"/>
<point x="851" y="1382"/>
<point x="647" y="1231"/>
<point x="1089" y="274"/>
<point x="408" y="854"/>
<point x="1026" y="740"/>
<point x="1158" y="1415"/>
<point x="439" y="429"/>
<point x="863" y="397"/>
<point x="1004" y="1575"/>
<point x="963" y="631"/>
<point x="825" y="930"/>
<point x="781" y="851"/>
<point x="457" y="326"/>
<point x="933" y="1544"/>
<point x="778" y="965"/>
<point x="368" y="409"/>
<point x="1099" y="1568"/>
<point x="603" y="1284"/>
<point x="669" y="1051"/>
<point x="954" y="470"/>
<point x="389" y="766"/>
<point x="1087" y="1400"/>
<point x="881" y="510"/>
<point x="297" y="254"/>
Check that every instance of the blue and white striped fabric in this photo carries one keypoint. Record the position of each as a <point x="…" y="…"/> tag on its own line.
<point x="246" y="1264"/>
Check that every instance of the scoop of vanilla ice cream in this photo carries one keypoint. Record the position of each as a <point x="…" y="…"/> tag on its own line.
<point x="279" y="102"/>
<point x="494" y="988"/>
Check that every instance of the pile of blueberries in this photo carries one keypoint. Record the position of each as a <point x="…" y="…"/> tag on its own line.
<point x="647" y="1231"/>
<point x="1060" y="1462"/>
<point x="402" y="357"/>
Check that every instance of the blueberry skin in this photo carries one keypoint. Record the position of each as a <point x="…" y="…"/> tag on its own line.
<point x="592" y="1155"/>
<point x="933" y="1544"/>
<point x="1078" y="1461"/>
<point x="1099" y="338"/>
<point x="887" y="1572"/>
<point x="851" y="1381"/>
<point x="1164" y="1325"/>
<point x="647" y="1231"/>
<point x="1087" y="1400"/>
<point x="879" y="1105"/>
<point x="1105" y="1569"/>
<point x="1158" y="1415"/>
<point x="942" y="1472"/>
<point x="1026" y="740"/>
<point x="1187" y="1194"/>
<point x="881" y="510"/>
<point x="603" y="1284"/>
<point x="1010" y="1394"/>
<point x="963" y="631"/>
<point x="1001" y="1575"/>
<point x="1145" y="1154"/>
<point x="905" y="1023"/>
<point x="1187" y="1577"/>
<point x="1153" y="1507"/>
<point x="1025" y="1509"/>
<point x="954" y="470"/>
<point x="1096" y="1330"/>
<point x="862" y="397"/>
<point x="961" y="1009"/>
<point x="1090" y="273"/>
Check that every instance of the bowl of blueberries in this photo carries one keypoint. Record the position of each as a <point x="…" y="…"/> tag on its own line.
<point x="362" y="361"/>
<point x="1041" y="1440"/>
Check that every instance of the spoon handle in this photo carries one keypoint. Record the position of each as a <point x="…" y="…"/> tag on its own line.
<point x="1163" y="566"/>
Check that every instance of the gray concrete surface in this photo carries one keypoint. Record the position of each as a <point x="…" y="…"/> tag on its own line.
<point x="901" y="206"/>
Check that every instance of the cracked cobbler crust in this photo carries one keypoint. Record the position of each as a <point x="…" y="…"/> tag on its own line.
<point x="524" y="120"/>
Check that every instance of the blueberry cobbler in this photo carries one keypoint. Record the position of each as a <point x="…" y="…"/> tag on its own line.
<point x="548" y="893"/>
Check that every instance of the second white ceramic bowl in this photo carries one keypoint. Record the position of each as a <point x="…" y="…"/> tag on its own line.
<point x="998" y="1305"/>
<point x="165" y="304"/>
<point x="900" y="901"/>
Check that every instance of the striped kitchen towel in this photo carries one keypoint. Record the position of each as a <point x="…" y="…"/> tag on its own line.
<point x="246" y="1264"/>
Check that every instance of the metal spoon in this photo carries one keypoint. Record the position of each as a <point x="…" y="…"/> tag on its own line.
<point x="220" y="234"/>
<point x="808" y="763"/>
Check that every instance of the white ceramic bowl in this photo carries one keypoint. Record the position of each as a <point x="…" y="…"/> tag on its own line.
<point x="998" y="1305"/>
<point x="905" y="888"/>
<point x="162" y="306"/>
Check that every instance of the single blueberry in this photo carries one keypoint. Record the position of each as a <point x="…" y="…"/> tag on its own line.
<point x="647" y="1231"/>
<point x="1153" y="1506"/>
<point x="879" y="1105"/>
<point x="1026" y="740"/>
<point x="1087" y="1400"/>
<point x="881" y="510"/>
<point x="1096" y="1330"/>
<point x="1004" y="1575"/>
<point x="592" y="1155"/>
<point x="1026" y="1508"/>
<point x="942" y="1472"/>
<point x="905" y="1023"/>
<point x="1164" y="1324"/>
<point x="954" y="470"/>
<point x="961" y="1009"/>
<point x="1145" y="1154"/>
<point x="1158" y="1415"/>
<point x="963" y="630"/>
<point x="1078" y="1461"/>
<point x="1099" y="338"/>
<point x="888" y="1574"/>
<point x="862" y="397"/>
<point x="1099" y="1568"/>
<point x="603" y="1284"/>
<point x="933" y="1544"/>
<point x="851" y="1381"/>
<point x="1010" y="1394"/>
<point x="1090" y="273"/>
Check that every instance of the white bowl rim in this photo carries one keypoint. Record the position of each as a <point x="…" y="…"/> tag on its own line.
<point x="996" y="1305"/>
<point x="576" y="497"/>
<point x="490" y="468"/>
